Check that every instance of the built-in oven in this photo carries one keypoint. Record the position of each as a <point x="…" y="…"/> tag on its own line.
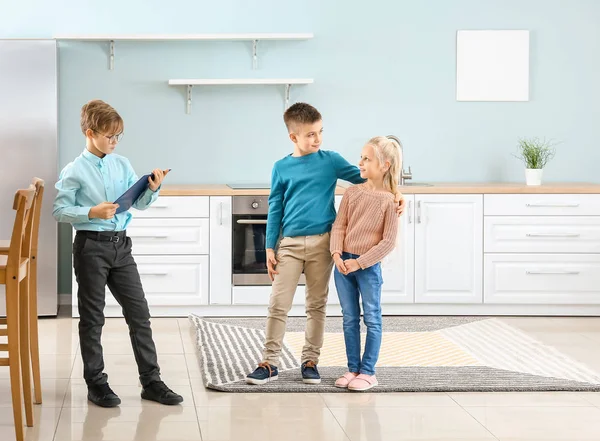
<point x="249" y="241"/>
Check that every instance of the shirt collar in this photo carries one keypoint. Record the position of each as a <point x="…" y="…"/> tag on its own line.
<point x="98" y="162"/>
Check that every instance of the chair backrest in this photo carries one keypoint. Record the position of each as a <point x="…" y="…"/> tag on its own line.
<point x="37" y="213"/>
<point x="20" y="240"/>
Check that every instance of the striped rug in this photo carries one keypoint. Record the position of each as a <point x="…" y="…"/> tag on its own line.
<point x="417" y="354"/>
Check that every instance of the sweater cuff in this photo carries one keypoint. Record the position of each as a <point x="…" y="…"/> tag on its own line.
<point x="363" y="265"/>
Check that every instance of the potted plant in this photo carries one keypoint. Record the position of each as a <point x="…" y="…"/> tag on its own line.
<point x="535" y="153"/>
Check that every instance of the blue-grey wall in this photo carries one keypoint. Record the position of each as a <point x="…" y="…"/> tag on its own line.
<point x="380" y="67"/>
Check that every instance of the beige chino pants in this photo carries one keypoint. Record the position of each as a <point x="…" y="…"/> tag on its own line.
<point x="296" y="254"/>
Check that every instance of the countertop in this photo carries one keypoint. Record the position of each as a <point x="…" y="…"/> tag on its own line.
<point x="432" y="188"/>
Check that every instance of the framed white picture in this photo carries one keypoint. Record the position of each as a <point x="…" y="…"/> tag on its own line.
<point x="492" y="65"/>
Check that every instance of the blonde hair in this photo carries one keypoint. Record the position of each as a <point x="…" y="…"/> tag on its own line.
<point x="388" y="150"/>
<point x="100" y="116"/>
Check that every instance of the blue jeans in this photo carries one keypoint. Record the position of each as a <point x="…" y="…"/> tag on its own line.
<point x="366" y="284"/>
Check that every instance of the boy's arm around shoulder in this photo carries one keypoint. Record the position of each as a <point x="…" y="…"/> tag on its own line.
<point x="344" y="170"/>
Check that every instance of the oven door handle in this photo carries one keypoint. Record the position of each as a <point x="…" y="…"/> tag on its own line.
<point x="252" y="222"/>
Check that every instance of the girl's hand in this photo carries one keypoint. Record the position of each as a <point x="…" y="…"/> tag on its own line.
<point x="351" y="265"/>
<point x="339" y="263"/>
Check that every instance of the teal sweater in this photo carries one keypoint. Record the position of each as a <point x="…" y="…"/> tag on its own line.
<point x="301" y="202"/>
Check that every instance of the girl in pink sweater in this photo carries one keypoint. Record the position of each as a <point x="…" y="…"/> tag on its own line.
<point x="364" y="232"/>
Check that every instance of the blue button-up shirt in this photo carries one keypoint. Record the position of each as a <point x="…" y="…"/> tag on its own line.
<point x="89" y="181"/>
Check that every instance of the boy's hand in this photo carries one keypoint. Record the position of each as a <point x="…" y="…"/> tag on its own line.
<point x="105" y="210"/>
<point x="401" y="203"/>
<point x="351" y="265"/>
<point x="339" y="263"/>
<point x="271" y="263"/>
<point x="159" y="175"/>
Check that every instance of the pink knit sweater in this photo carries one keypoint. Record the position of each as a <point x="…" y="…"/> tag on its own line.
<point x="366" y="224"/>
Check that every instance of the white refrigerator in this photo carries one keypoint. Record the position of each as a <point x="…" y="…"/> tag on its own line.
<point x="28" y="148"/>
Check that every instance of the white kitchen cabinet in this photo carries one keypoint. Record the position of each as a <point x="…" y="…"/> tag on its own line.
<point x="171" y="280"/>
<point x="544" y="279"/>
<point x="175" y="207"/>
<point x="449" y="249"/>
<point x="169" y="236"/>
<point x="542" y="234"/>
<point x="398" y="267"/>
<point x="542" y="205"/>
<point x="220" y="250"/>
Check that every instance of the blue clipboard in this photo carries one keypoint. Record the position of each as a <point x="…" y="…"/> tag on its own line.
<point x="127" y="199"/>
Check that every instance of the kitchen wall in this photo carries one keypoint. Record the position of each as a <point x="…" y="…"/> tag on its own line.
<point x="380" y="67"/>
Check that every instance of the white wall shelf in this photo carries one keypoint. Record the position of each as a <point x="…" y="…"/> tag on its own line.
<point x="190" y="83"/>
<point x="253" y="37"/>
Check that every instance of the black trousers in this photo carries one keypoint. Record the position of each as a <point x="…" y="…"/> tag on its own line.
<point x="100" y="259"/>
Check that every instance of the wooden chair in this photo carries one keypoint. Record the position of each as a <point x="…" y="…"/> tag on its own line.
<point x="14" y="275"/>
<point x="33" y="294"/>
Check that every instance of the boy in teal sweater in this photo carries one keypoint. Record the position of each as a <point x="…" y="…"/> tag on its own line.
<point x="301" y="211"/>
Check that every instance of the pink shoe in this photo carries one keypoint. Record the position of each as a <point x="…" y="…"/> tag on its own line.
<point x="345" y="380"/>
<point x="363" y="382"/>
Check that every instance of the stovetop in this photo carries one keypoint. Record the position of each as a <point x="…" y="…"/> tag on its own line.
<point x="244" y="186"/>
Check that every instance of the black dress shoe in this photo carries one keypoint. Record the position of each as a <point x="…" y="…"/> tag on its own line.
<point x="159" y="392"/>
<point x="102" y="395"/>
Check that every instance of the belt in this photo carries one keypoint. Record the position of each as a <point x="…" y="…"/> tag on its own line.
<point x="104" y="236"/>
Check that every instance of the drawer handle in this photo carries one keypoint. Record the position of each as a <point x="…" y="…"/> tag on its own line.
<point x="158" y="206"/>
<point x="560" y="273"/>
<point x="252" y="222"/>
<point x="149" y="236"/>
<point x="154" y="274"/>
<point x="539" y="205"/>
<point x="553" y="234"/>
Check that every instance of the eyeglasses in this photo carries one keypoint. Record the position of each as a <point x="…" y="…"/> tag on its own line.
<point x="113" y="138"/>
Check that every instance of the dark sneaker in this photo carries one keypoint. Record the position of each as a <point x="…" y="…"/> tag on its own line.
<point x="102" y="395"/>
<point x="310" y="374"/>
<point x="159" y="392"/>
<point x="262" y="374"/>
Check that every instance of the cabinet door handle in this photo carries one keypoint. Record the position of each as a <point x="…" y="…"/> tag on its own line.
<point x="542" y="205"/>
<point x="158" y="206"/>
<point x="150" y="236"/>
<point x="553" y="235"/>
<point x="153" y="273"/>
<point x="419" y="212"/>
<point x="410" y="212"/>
<point x="559" y="273"/>
<point x="220" y="213"/>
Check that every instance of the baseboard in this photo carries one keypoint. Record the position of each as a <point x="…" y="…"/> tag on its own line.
<point x="64" y="300"/>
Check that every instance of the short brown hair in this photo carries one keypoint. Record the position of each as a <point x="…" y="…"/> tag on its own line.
<point x="102" y="117"/>
<point x="301" y="113"/>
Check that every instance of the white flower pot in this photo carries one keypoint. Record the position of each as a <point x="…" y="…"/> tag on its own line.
<point x="533" y="176"/>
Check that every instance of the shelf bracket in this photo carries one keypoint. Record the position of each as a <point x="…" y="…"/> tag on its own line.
<point x="111" y="61"/>
<point x="189" y="99"/>
<point x="287" y="95"/>
<point x="254" y="54"/>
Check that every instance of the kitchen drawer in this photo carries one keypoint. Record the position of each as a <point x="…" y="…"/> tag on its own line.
<point x="260" y="295"/>
<point x="542" y="234"/>
<point x="172" y="280"/>
<point x="541" y="204"/>
<point x="176" y="206"/>
<point x="542" y="279"/>
<point x="169" y="236"/>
